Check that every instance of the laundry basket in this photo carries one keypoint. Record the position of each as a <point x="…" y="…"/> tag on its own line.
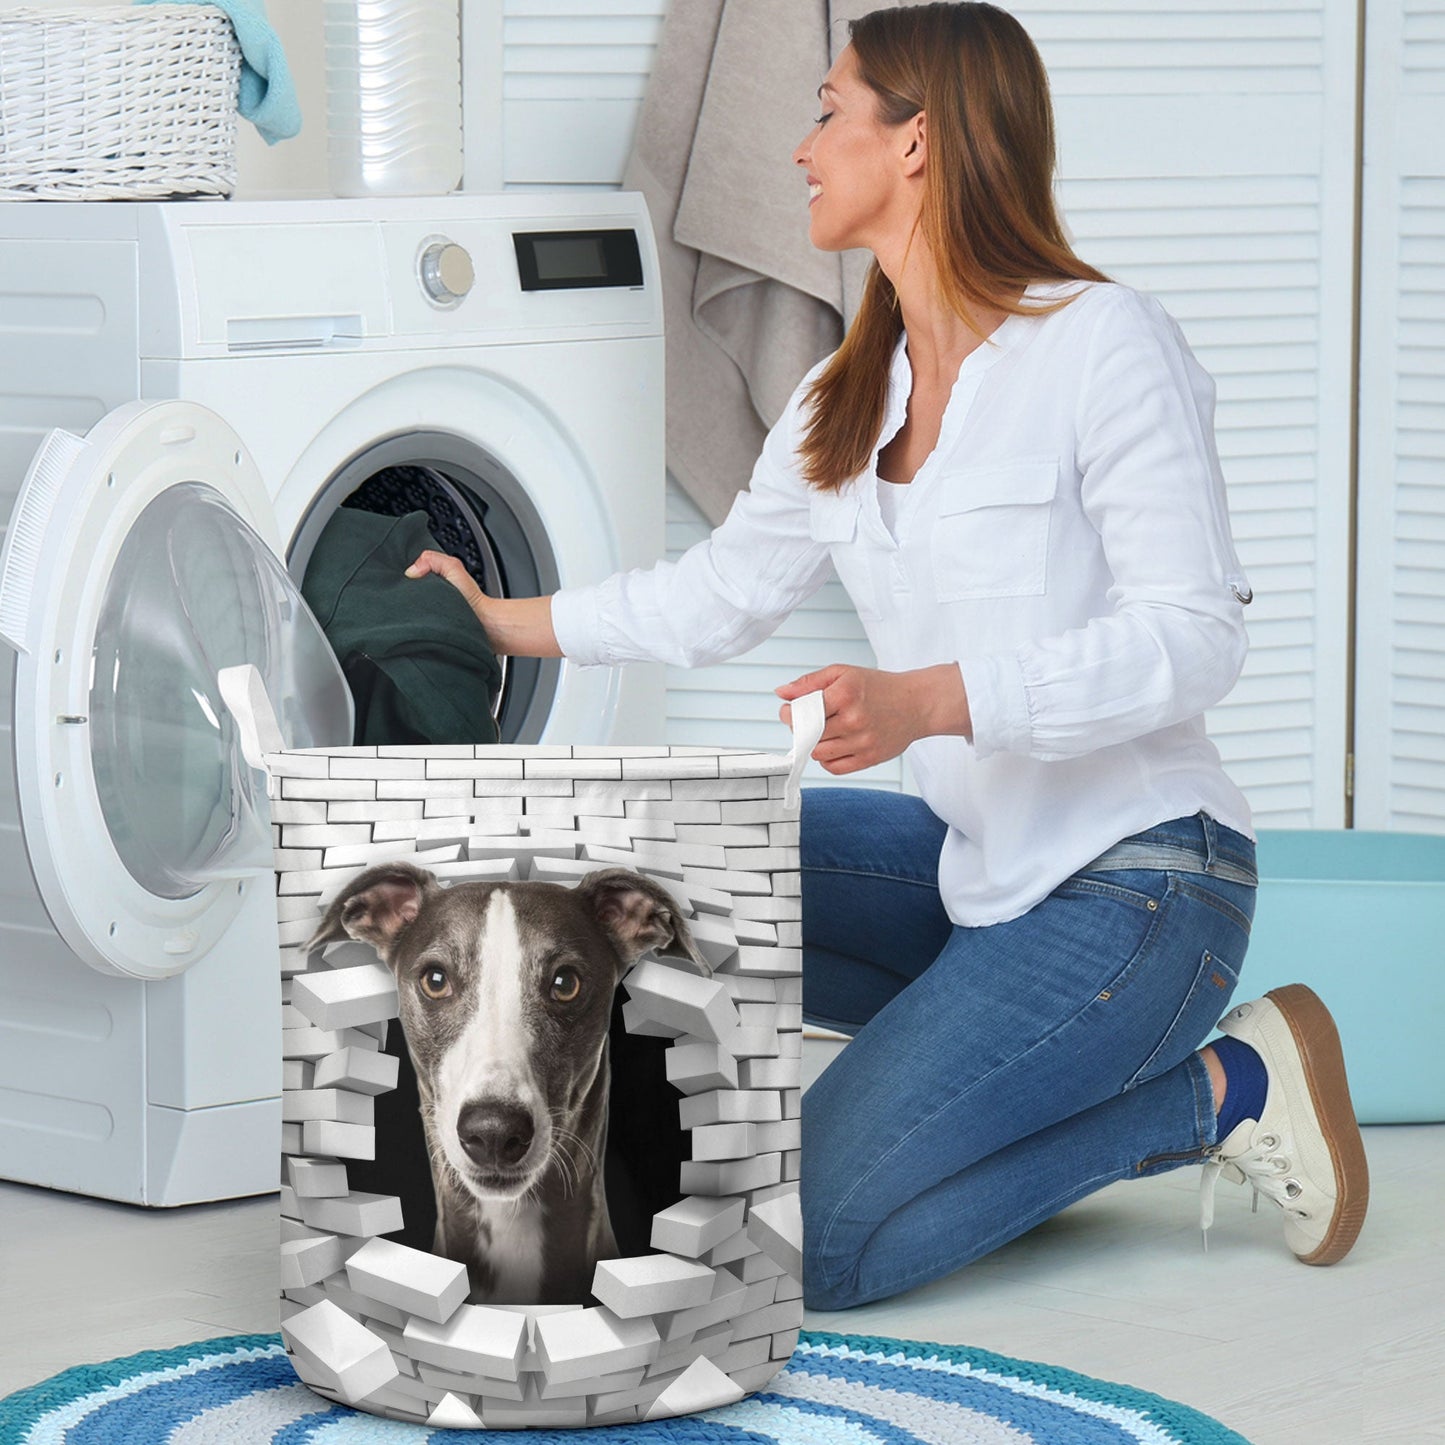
<point x="117" y="103"/>
<point x="393" y="958"/>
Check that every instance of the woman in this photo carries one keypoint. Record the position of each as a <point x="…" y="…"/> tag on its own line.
<point x="1010" y="463"/>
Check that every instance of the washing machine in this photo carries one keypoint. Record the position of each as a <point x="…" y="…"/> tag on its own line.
<point x="188" y="392"/>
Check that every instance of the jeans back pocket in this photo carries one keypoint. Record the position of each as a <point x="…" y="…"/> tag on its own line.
<point x="1204" y="1004"/>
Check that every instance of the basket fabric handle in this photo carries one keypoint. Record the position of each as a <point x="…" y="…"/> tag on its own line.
<point x="244" y="693"/>
<point x="808" y="720"/>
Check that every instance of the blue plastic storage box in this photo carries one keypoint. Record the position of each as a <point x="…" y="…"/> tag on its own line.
<point x="1360" y="918"/>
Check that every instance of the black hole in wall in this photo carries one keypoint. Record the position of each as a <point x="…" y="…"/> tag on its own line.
<point x="401" y="1166"/>
<point x="646" y="1143"/>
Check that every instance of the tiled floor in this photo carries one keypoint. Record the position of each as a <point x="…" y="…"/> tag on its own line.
<point x="1117" y="1286"/>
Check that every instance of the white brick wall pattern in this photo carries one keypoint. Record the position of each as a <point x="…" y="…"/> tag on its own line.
<point x="714" y="1312"/>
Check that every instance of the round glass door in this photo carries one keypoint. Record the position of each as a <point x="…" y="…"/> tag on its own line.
<point x="193" y="590"/>
<point x="142" y="560"/>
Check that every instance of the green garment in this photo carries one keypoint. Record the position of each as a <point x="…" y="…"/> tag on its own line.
<point x="415" y="657"/>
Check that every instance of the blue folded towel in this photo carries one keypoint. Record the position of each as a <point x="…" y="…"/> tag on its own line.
<point x="268" y="94"/>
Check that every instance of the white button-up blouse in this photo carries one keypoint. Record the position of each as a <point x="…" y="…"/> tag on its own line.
<point x="1066" y="544"/>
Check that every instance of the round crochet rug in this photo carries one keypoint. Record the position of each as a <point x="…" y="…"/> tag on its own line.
<point x="836" y="1390"/>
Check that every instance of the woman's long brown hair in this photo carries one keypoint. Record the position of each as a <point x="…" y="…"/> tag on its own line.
<point x="988" y="212"/>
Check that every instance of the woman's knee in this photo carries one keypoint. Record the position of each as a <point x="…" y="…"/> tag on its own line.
<point x="869" y="871"/>
<point x="835" y="1235"/>
<point x="831" y="1259"/>
<point x="821" y="1293"/>
<point x="847" y="828"/>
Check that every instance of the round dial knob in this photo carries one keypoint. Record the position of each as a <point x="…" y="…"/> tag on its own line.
<point x="446" y="271"/>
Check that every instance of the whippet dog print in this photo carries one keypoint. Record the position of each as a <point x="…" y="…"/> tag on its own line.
<point x="505" y="994"/>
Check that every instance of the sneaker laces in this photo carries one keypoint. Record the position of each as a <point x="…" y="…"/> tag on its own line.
<point x="1262" y="1167"/>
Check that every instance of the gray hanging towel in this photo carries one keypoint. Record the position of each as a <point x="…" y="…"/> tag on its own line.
<point x="419" y="666"/>
<point x="749" y="304"/>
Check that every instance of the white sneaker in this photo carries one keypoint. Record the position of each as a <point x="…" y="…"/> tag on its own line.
<point x="1306" y="1153"/>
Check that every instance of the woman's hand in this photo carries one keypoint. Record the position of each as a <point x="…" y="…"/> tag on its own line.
<point x="872" y="716"/>
<point x="515" y="626"/>
<point x="443" y="564"/>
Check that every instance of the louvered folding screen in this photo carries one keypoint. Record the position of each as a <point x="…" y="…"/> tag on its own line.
<point x="1400" y="678"/>
<point x="572" y="74"/>
<point x="1206" y="156"/>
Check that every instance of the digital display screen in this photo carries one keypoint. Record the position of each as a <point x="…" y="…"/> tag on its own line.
<point x="574" y="260"/>
<point x="570" y="258"/>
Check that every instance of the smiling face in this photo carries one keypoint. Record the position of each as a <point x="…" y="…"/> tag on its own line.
<point x="862" y="174"/>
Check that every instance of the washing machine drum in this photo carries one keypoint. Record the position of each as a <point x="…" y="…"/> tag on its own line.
<point x="454" y="516"/>
<point x="419" y="667"/>
<point x="475" y="510"/>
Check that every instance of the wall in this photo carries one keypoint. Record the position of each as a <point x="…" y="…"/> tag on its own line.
<point x="297" y="166"/>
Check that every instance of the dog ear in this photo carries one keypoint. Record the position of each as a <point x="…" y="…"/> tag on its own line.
<point x="639" y="916"/>
<point x="376" y="906"/>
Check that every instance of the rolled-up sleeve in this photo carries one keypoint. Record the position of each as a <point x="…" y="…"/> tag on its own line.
<point x="1151" y="487"/>
<point x="722" y="596"/>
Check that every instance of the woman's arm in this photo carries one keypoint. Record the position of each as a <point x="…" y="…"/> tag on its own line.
<point x="721" y="597"/>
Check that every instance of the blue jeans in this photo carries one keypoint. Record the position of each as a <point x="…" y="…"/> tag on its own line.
<point x="998" y="1074"/>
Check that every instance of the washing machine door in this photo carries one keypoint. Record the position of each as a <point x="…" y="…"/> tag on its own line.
<point x="140" y="560"/>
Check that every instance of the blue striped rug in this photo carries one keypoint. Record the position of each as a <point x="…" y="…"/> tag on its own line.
<point x="836" y="1390"/>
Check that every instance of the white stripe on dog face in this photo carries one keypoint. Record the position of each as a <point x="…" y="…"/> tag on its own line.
<point x="492" y="1057"/>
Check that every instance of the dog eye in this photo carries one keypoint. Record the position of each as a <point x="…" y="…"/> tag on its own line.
<point x="434" y="983"/>
<point x="566" y="985"/>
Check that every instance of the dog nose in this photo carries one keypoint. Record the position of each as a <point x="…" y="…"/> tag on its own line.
<point x="495" y="1135"/>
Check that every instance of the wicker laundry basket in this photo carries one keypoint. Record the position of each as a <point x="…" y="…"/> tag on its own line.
<point x="117" y="103"/>
<point x="706" y="1305"/>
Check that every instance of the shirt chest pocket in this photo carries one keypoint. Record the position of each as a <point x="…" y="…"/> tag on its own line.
<point x="833" y="520"/>
<point x="992" y="534"/>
